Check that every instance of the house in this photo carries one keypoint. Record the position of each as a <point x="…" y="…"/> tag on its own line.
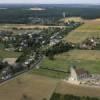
<point x="78" y="74"/>
<point x="6" y="73"/>
<point x="53" y="42"/>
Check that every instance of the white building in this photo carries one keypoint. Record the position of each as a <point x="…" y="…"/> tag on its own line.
<point x="81" y="76"/>
<point x="78" y="74"/>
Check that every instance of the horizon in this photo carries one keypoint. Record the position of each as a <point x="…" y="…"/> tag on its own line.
<point x="48" y="4"/>
<point x="96" y="2"/>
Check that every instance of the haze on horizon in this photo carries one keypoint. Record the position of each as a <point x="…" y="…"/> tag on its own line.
<point x="50" y="1"/>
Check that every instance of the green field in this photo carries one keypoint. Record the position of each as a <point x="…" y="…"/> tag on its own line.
<point x="87" y="59"/>
<point x="49" y="73"/>
<point x="89" y="29"/>
<point x="9" y="54"/>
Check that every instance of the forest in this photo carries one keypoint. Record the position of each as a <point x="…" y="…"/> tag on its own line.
<point x="22" y="14"/>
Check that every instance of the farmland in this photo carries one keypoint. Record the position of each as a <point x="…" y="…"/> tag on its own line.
<point x="90" y="28"/>
<point x="75" y="19"/>
<point x="32" y="84"/>
<point x="32" y="87"/>
<point x="66" y="88"/>
<point x="88" y="59"/>
<point x="25" y="26"/>
<point x="46" y="44"/>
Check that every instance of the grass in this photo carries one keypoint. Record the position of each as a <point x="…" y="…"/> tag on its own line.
<point x="33" y="87"/>
<point x="9" y="54"/>
<point x="1" y="46"/>
<point x="87" y="59"/>
<point x="70" y="89"/>
<point x="49" y="73"/>
<point x="89" y="29"/>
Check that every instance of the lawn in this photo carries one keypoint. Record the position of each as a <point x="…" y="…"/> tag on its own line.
<point x="9" y="54"/>
<point x="89" y="29"/>
<point x="28" y="87"/>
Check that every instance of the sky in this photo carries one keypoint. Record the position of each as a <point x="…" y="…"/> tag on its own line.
<point x="52" y="1"/>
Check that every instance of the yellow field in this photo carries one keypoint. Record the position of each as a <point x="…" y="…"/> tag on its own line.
<point x="76" y="19"/>
<point x="32" y="87"/>
<point x="89" y="29"/>
<point x="66" y="88"/>
<point x="25" y="26"/>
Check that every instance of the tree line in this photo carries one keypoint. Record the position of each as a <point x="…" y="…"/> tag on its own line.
<point x="57" y="96"/>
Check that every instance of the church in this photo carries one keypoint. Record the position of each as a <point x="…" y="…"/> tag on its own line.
<point x="78" y="74"/>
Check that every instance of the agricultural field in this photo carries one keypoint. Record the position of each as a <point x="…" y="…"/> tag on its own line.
<point x="75" y="19"/>
<point x="25" y="26"/>
<point x="50" y="73"/>
<point x="87" y="59"/>
<point x="90" y="28"/>
<point x="28" y="87"/>
<point x="65" y="88"/>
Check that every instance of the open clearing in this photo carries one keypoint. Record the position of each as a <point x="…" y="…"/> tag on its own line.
<point x="32" y="87"/>
<point x="9" y="54"/>
<point x="88" y="59"/>
<point x="65" y="88"/>
<point x="89" y="29"/>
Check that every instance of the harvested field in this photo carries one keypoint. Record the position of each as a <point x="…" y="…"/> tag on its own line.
<point x="75" y="19"/>
<point x="31" y="87"/>
<point x="65" y="88"/>
<point x="25" y="26"/>
<point x="89" y="29"/>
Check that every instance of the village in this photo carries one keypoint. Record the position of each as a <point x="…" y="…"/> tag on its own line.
<point x="32" y="45"/>
<point x="39" y="39"/>
<point x="50" y="52"/>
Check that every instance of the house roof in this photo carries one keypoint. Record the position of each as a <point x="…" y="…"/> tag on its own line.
<point x="81" y="71"/>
